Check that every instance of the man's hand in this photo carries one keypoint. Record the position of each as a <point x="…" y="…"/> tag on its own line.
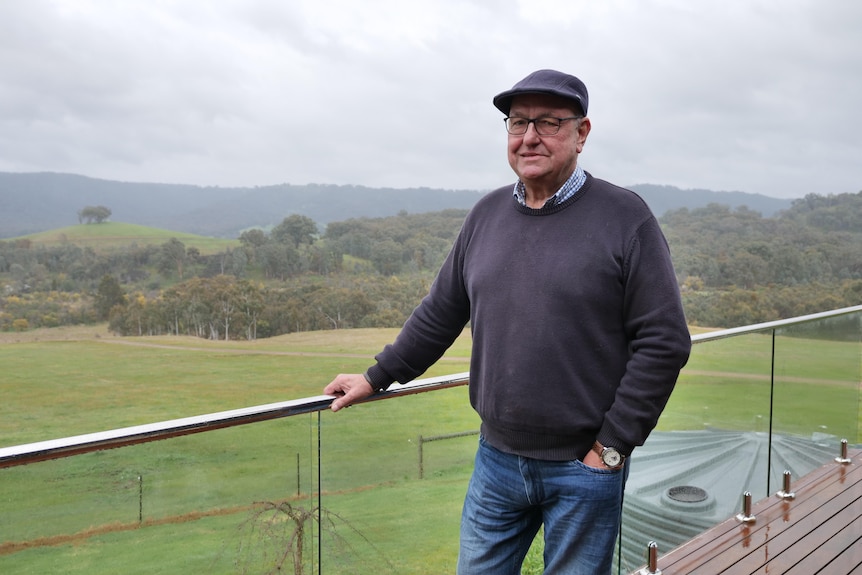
<point x="348" y="389"/>
<point x="592" y="459"/>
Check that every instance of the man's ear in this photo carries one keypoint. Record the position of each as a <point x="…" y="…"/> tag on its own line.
<point x="584" y="127"/>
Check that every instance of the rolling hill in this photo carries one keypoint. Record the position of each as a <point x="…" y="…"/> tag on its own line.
<point x="109" y="235"/>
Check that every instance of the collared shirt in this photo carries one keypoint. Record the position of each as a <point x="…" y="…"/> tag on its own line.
<point x="569" y="189"/>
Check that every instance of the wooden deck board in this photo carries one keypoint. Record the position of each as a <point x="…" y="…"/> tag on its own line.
<point x="856" y="571"/>
<point x="724" y="536"/>
<point x="820" y="531"/>
<point x="808" y="553"/>
<point x="833" y="539"/>
<point x="808" y="526"/>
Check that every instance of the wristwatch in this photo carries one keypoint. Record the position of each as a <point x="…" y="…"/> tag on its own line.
<point x="611" y="457"/>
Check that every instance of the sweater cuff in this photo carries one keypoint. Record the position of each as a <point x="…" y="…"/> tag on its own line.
<point x="608" y="440"/>
<point x="378" y="378"/>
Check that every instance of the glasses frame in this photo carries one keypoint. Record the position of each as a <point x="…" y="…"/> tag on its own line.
<point x="536" y="126"/>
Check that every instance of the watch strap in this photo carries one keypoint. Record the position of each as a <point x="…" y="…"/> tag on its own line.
<point x="600" y="449"/>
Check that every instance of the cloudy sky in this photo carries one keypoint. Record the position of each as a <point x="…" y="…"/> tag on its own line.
<point x="760" y="96"/>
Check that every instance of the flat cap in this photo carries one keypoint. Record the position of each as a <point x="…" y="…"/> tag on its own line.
<point x="546" y="82"/>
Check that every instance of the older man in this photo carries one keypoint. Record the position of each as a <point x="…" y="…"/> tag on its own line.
<point x="578" y="338"/>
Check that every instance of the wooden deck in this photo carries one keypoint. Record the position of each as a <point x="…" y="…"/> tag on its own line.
<point x="818" y="531"/>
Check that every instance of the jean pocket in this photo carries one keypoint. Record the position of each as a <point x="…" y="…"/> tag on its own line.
<point x="596" y="470"/>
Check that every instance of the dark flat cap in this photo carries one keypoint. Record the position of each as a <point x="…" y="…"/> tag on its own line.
<point x="546" y="82"/>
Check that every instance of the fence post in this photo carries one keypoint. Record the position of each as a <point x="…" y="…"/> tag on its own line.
<point x="140" y="498"/>
<point x="419" y="442"/>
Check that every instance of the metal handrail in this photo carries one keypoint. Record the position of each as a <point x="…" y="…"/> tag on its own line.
<point x="770" y="325"/>
<point x="79" y="444"/>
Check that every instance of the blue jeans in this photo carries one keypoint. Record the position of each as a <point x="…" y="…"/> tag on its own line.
<point x="510" y="497"/>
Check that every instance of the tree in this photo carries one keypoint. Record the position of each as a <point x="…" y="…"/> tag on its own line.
<point x="238" y="263"/>
<point x="254" y="237"/>
<point x="108" y="295"/>
<point x="295" y="230"/>
<point x="387" y="257"/>
<point x="251" y="303"/>
<point x="173" y="256"/>
<point x="280" y="261"/>
<point x="341" y="307"/>
<point x="252" y="240"/>
<point x="94" y="213"/>
<point x="323" y="257"/>
<point x="278" y="533"/>
<point x="224" y="300"/>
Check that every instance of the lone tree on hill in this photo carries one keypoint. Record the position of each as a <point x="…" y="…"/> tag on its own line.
<point x="92" y="214"/>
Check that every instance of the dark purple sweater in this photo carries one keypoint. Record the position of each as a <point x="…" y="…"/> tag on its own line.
<point x="578" y="329"/>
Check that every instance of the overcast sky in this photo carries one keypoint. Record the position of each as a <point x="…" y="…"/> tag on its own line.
<point x="760" y="96"/>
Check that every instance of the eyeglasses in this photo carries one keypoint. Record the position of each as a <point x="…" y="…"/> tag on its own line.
<point x="545" y="126"/>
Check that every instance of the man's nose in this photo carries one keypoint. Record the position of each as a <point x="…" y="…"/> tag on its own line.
<point x="531" y="135"/>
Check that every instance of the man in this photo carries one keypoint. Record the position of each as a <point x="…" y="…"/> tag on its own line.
<point x="578" y="339"/>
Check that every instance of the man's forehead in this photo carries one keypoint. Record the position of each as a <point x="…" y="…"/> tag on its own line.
<point x="544" y="102"/>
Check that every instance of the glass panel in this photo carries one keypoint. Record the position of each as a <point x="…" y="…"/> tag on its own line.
<point x="816" y="405"/>
<point x="710" y="445"/>
<point x="394" y="476"/>
<point x="214" y="502"/>
<point x="393" y="473"/>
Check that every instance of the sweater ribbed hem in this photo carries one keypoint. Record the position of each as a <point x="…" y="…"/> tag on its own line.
<point x="538" y="446"/>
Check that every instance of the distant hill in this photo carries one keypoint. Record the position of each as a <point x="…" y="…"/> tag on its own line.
<point x="664" y="198"/>
<point x="35" y="202"/>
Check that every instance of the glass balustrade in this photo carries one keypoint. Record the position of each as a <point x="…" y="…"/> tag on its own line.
<point x="394" y="476"/>
<point x="378" y="488"/>
<point x="215" y="502"/>
<point x="750" y="405"/>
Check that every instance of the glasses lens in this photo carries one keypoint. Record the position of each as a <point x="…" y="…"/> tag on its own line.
<point x="517" y="126"/>
<point x="547" y="126"/>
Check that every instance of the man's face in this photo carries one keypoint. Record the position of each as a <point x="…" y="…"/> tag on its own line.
<point x="544" y="163"/>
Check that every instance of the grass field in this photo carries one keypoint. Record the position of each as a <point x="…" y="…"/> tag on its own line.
<point x="185" y="505"/>
<point x="115" y="235"/>
<point x="197" y="490"/>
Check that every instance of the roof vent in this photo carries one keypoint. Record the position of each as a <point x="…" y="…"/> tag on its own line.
<point x="687" y="494"/>
<point x="688" y="498"/>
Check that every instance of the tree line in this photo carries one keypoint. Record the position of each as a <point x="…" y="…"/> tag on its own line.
<point x="734" y="267"/>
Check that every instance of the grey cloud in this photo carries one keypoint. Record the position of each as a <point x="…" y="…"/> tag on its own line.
<point x="743" y="95"/>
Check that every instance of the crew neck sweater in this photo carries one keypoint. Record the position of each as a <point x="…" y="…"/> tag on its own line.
<point x="578" y="328"/>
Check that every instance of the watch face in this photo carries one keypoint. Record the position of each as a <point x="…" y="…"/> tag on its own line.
<point x="611" y="457"/>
